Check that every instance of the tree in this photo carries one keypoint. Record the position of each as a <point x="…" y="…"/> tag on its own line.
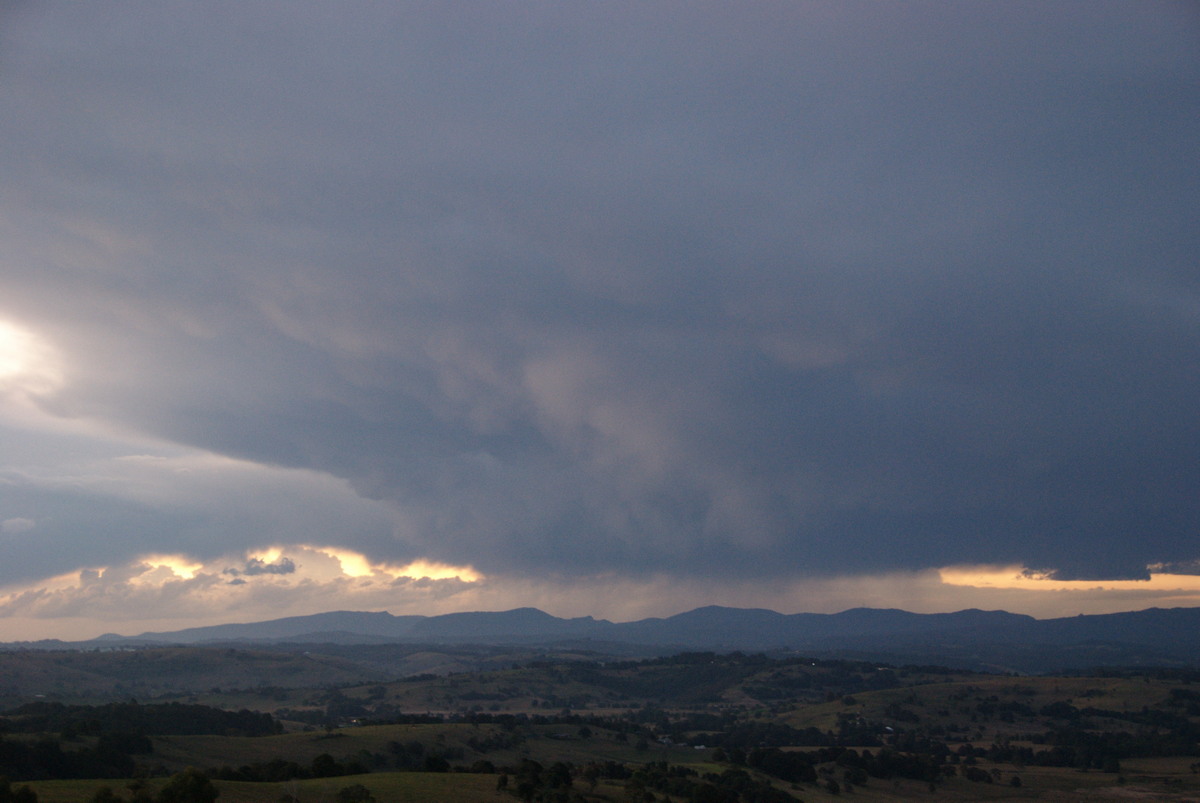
<point x="22" y="794"/>
<point x="436" y="764"/>
<point x="355" y="793"/>
<point x="326" y="766"/>
<point x="138" y="788"/>
<point x="558" y="776"/>
<point x="189" y="786"/>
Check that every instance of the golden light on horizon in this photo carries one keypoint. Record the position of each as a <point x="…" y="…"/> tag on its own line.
<point x="1021" y="578"/>
<point x="420" y="569"/>
<point x="355" y="564"/>
<point x="181" y="566"/>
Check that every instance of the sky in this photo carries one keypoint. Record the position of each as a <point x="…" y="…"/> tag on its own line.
<point x="612" y="309"/>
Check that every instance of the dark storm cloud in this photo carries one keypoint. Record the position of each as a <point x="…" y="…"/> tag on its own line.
<point x="802" y="288"/>
<point x="257" y="566"/>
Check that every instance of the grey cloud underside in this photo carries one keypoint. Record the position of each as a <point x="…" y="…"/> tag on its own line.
<point x="256" y="566"/>
<point x="579" y="288"/>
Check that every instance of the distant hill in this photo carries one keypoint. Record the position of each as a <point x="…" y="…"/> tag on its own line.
<point x="325" y="627"/>
<point x="994" y="640"/>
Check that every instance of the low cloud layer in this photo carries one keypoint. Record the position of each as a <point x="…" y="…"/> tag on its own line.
<point x="774" y="294"/>
<point x="170" y="592"/>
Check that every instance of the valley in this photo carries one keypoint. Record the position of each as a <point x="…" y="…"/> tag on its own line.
<point x="497" y="724"/>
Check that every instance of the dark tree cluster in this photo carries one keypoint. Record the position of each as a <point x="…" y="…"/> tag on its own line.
<point x="45" y="759"/>
<point x="277" y="770"/>
<point x="532" y="782"/>
<point x="22" y="794"/>
<point x="156" y="719"/>
<point x="733" y="785"/>
<point x="799" y="766"/>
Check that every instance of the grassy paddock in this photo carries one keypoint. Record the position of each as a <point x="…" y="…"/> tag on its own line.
<point x="392" y="787"/>
<point x="1162" y="780"/>
<point x="546" y="744"/>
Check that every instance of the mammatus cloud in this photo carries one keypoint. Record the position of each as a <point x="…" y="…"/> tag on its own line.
<point x="715" y="299"/>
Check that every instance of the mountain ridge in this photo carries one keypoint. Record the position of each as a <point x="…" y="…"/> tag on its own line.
<point x="712" y="627"/>
<point x="994" y="641"/>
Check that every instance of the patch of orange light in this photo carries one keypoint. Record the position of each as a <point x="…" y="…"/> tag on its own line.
<point x="268" y="556"/>
<point x="438" y="571"/>
<point x="355" y="564"/>
<point x="1019" y="577"/>
<point x="179" y="565"/>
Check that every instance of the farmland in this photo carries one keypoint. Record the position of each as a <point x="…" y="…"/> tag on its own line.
<point x="694" y="726"/>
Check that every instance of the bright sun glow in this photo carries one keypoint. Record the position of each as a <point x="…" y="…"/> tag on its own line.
<point x="26" y="361"/>
<point x="14" y="350"/>
<point x="353" y="564"/>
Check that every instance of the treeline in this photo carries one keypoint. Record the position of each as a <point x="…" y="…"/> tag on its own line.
<point x="115" y="733"/>
<point x="683" y="678"/>
<point x="533" y="782"/>
<point x="412" y="756"/>
<point x="800" y="766"/>
<point x="1084" y="749"/>
<point x="110" y="757"/>
<point x="155" y="719"/>
<point x="735" y="783"/>
<point x="697" y="728"/>
<point x="696" y="677"/>
<point x="278" y="770"/>
<point x="732" y="785"/>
